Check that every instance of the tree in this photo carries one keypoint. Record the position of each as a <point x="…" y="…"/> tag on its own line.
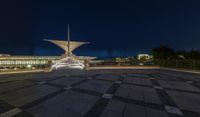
<point x="164" y="52"/>
<point x="194" y="55"/>
<point x="191" y="55"/>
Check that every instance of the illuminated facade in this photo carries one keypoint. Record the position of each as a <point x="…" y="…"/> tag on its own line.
<point x="27" y="61"/>
<point x="8" y="61"/>
<point x="33" y="61"/>
<point x="67" y="60"/>
<point x="145" y="56"/>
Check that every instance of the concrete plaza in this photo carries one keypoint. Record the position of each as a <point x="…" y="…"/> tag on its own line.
<point x="101" y="93"/>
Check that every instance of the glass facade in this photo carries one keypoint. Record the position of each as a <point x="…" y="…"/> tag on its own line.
<point x="23" y="61"/>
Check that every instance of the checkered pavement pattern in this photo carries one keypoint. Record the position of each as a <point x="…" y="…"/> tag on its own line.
<point x="123" y="93"/>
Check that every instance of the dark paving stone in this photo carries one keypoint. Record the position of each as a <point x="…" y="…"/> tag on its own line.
<point x="178" y="85"/>
<point x="5" y="106"/>
<point x="191" y="113"/>
<point x="110" y="77"/>
<point x="138" y="76"/>
<point x="138" y="93"/>
<point x="181" y="75"/>
<point x="105" y="93"/>
<point x="164" y="97"/>
<point x="94" y="85"/>
<point x="67" y="81"/>
<point x="97" y="109"/>
<point x="116" y="106"/>
<point x="138" y="81"/>
<point x="24" y="96"/>
<point x="197" y="85"/>
<point x="15" y="77"/>
<point x="186" y="101"/>
<point x="139" y="102"/>
<point x="155" y="113"/>
<point x="68" y="103"/>
<point x="166" y="77"/>
<point x="90" y="92"/>
<point x="12" y="86"/>
<point x="99" y="106"/>
<point x="113" y="88"/>
<point x="40" y="100"/>
<point x="121" y="109"/>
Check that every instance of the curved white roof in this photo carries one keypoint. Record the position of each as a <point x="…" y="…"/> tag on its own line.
<point x="64" y="44"/>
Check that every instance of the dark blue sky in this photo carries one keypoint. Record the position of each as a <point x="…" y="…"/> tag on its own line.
<point x="114" y="27"/>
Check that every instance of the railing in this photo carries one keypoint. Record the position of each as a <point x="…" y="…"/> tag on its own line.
<point x="129" y="63"/>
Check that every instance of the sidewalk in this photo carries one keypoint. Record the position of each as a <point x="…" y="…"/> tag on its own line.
<point x="124" y="67"/>
<point x="17" y="72"/>
<point x="181" y="70"/>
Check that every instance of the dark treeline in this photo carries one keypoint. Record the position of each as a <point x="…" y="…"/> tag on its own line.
<point x="165" y="56"/>
<point x="167" y="53"/>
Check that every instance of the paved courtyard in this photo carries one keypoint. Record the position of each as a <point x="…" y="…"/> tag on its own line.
<point x="100" y="93"/>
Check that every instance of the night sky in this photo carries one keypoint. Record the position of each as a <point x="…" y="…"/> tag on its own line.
<point x="114" y="28"/>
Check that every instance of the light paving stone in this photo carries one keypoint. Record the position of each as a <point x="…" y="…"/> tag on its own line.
<point x="11" y="112"/>
<point x="138" y="93"/>
<point x="42" y="82"/>
<point x="173" y="110"/>
<point x="24" y="96"/>
<point x="123" y="75"/>
<point x="178" y="85"/>
<point x="152" y="78"/>
<point x="89" y="78"/>
<point x="138" y="81"/>
<point x="68" y="87"/>
<point x="95" y="85"/>
<point x="14" y="85"/>
<point x="107" y="96"/>
<point x="67" y="103"/>
<point x="118" y="82"/>
<point x="186" y="101"/>
<point x="67" y="81"/>
<point x="189" y="82"/>
<point x="157" y="87"/>
<point x="23" y="114"/>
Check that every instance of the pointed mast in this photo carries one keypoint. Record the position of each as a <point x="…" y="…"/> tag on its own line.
<point x="68" y="39"/>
